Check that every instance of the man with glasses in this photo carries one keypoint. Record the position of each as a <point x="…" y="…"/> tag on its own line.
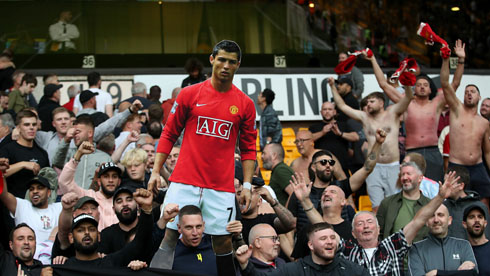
<point x="333" y="135"/>
<point x="265" y="248"/>
<point x="273" y="159"/>
<point x="305" y="145"/>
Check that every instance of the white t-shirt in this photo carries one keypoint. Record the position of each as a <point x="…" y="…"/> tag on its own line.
<point x="122" y="136"/>
<point x="103" y="99"/>
<point x="43" y="221"/>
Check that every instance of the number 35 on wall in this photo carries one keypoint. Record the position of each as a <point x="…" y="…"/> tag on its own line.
<point x="88" y="61"/>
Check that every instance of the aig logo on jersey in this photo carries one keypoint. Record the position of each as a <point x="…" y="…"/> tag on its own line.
<point x="213" y="127"/>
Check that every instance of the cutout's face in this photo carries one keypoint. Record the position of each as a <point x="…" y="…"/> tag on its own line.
<point x="224" y="65"/>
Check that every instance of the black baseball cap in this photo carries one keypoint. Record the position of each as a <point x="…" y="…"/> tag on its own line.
<point x="109" y="166"/>
<point x="84" y="200"/>
<point x="123" y="189"/>
<point x="470" y="208"/>
<point x="39" y="180"/>
<point x="82" y="218"/>
<point x="51" y="88"/>
<point x="86" y="95"/>
<point x="346" y="80"/>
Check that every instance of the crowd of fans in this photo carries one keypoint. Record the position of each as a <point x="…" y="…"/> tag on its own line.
<point x="85" y="185"/>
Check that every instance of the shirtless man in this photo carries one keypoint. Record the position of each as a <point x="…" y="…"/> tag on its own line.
<point x="423" y="114"/>
<point x="305" y="145"/>
<point x="382" y="181"/>
<point x="469" y="134"/>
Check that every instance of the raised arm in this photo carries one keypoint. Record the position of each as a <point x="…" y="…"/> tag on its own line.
<point x="131" y="138"/>
<point x="349" y="111"/>
<point x="7" y="198"/>
<point x="67" y="176"/>
<point x="68" y="201"/>
<point x="302" y="192"/>
<point x="389" y="90"/>
<point x="458" y="74"/>
<point x="285" y="220"/>
<point x="358" y="178"/>
<point x="108" y="126"/>
<point x="400" y="107"/>
<point x="449" y="93"/>
<point x="424" y="214"/>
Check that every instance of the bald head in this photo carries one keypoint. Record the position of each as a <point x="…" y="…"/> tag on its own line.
<point x="258" y="230"/>
<point x="176" y="92"/>
<point x="277" y="149"/>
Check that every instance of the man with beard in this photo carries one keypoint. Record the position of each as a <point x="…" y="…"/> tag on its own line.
<point x="273" y="159"/>
<point x="323" y="244"/>
<point x="109" y="179"/>
<point x="86" y="238"/>
<point x="116" y="236"/>
<point x="398" y="210"/>
<point x="41" y="215"/>
<point x="332" y="202"/>
<point x="83" y="130"/>
<point x="475" y="222"/>
<point x="460" y="199"/>
<point x="23" y="245"/>
<point x="423" y="113"/>
<point x="470" y="134"/>
<point x="425" y="256"/>
<point x="323" y="166"/>
<point x="382" y="182"/>
<point x="333" y="135"/>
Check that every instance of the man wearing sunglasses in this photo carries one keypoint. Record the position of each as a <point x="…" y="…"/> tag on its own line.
<point x="323" y="166"/>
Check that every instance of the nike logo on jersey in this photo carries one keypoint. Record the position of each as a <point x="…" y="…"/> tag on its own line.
<point x="214" y="127"/>
<point x="200" y="105"/>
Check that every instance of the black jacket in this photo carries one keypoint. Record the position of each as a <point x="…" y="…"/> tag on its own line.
<point x="8" y="264"/>
<point x="306" y="266"/>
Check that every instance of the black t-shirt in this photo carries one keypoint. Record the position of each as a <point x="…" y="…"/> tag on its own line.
<point x="112" y="239"/>
<point x="315" y="196"/>
<point x="17" y="183"/>
<point x="301" y="249"/>
<point x="333" y="143"/>
<point x="249" y="223"/>
<point x="57" y="251"/>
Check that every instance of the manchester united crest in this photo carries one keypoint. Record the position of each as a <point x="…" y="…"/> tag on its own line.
<point x="233" y="109"/>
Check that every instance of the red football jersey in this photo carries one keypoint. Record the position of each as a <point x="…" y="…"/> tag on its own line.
<point x="212" y="121"/>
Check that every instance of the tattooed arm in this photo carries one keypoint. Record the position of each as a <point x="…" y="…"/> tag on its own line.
<point x="360" y="176"/>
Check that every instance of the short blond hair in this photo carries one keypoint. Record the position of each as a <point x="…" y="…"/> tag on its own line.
<point x="133" y="156"/>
